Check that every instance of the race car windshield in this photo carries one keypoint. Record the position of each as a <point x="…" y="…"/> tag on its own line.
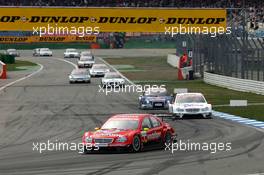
<point x="99" y="67"/>
<point x="78" y="73"/>
<point x="190" y="99"/>
<point x="45" y="49"/>
<point x="121" y="124"/>
<point x="155" y="93"/>
<point x="70" y="50"/>
<point x="86" y="54"/>
<point x="86" y="58"/>
<point x="112" y="76"/>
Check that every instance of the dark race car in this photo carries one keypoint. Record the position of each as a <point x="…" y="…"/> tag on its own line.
<point x="155" y="98"/>
<point x="129" y="131"/>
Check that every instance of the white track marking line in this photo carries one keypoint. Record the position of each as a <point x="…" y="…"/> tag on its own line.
<point x="23" y="78"/>
<point x="129" y="81"/>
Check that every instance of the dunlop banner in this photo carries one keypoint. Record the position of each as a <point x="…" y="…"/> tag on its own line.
<point x="47" y="39"/>
<point x="110" y="19"/>
<point x="11" y="39"/>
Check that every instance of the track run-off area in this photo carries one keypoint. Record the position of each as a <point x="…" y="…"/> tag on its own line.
<point x="46" y="107"/>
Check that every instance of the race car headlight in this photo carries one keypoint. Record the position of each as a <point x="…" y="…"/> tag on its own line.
<point x="121" y="139"/>
<point x="70" y="77"/>
<point x="180" y="110"/>
<point x="205" y="109"/>
<point x="168" y="101"/>
<point x="107" y="70"/>
<point x="88" y="139"/>
<point x="147" y="101"/>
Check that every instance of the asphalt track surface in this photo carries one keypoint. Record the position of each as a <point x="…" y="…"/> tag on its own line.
<point x="46" y="107"/>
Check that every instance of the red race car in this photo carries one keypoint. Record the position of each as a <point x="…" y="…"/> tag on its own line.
<point x="130" y="131"/>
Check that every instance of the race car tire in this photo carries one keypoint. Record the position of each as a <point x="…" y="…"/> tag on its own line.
<point x="209" y="116"/>
<point x="140" y="106"/>
<point x="167" y="138"/>
<point x="136" y="144"/>
<point x="85" y="151"/>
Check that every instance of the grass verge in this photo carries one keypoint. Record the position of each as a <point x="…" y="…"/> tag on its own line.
<point x="20" y="65"/>
<point x="157" y="71"/>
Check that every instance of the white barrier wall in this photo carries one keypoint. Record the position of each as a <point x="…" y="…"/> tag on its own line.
<point x="173" y="60"/>
<point x="234" y="83"/>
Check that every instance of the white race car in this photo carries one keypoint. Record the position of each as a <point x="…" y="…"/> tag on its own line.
<point x="12" y="52"/>
<point x="99" y="70"/>
<point x="86" y="60"/>
<point x="44" y="52"/>
<point x="112" y="79"/>
<point x="187" y="104"/>
<point x="71" y="53"/>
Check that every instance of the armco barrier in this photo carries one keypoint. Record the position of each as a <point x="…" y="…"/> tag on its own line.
<point x="2" y="70"/>
<point x="234" y="83"/>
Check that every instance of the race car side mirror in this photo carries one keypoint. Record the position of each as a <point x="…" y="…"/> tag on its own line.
<point x="145" y="129"/>
<point x="97" y="128"/>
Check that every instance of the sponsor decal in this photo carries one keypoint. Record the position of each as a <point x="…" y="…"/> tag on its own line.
<point x="192" y="105"/>
<point x="11" y="39"/>
<point x="154" y="135"/>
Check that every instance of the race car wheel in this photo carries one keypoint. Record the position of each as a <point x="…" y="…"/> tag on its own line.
<point x="209" y="116"/>
<point x="136" y="144"/>
<point x="85" y="151"/>
<point x="141" y="106"/>
<point x="167" y="138"/>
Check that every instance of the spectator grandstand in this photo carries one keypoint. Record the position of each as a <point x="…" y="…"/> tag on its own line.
<point x="137" y="3"/>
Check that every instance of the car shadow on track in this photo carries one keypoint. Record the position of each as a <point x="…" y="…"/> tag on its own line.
<point x="192" y="117"/>
<point x="152" y="148"/>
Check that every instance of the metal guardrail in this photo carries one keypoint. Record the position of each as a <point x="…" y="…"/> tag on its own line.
<point x="234" y="83"/>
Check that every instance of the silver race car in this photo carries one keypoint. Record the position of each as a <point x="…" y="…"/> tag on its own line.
<point x="112" y="79"/>
<point x="155" y="98"/>
<point x="80" y="75"/>
<point x="99" y="70"/>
